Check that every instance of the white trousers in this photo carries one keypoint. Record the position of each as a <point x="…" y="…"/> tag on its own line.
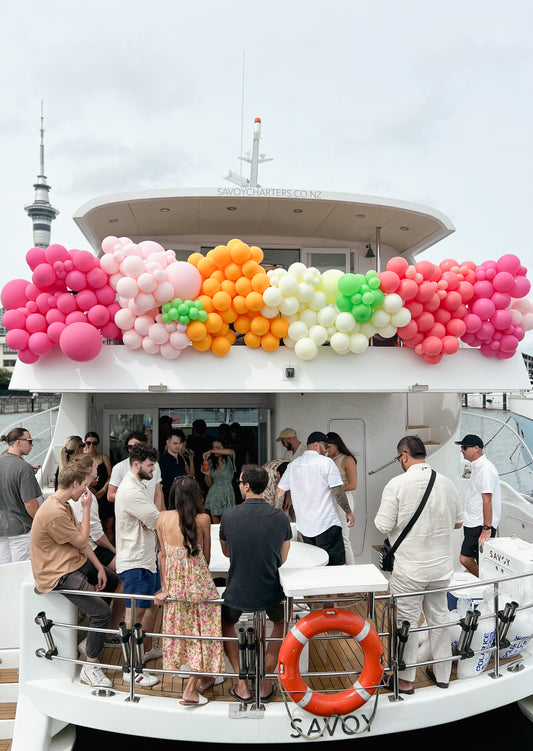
<point x="350" y="558"/>
<point x="435" y="609"/>
<point x="15" y="548"/>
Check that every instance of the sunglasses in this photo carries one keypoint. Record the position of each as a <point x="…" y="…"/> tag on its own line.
<point x="91" y="443"/>
<point x="30" y="440"/>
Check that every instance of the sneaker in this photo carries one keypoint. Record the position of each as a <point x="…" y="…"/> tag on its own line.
<point x="146" y="679"/>
<point x="153" y="654"/>
<point x="94" y="676"/>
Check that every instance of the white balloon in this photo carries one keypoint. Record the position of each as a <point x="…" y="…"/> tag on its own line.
<point x="289" y="306"/>
<point x="304" y="292"/>
<point x="392" y="303"/>
<point x="358" y="343"/>
<point x="288" y="285"/>
<point x="309" y="317"/>
<point x="387" y="331"/>
<point x="288" y="342"/>
<point x="306" y="349"/>
<point x="272" y="297"/>
<point x="318" y="301"/>
<point x="345" y="322"/>
<point x="367" y="329"/>
<point x="327" y="316"/>
<point x="297" y="270"/>
<point x="268" y="312"/>
<point x="318" y="334"/>
<point x="401" y="318"/>
<point x="340" y="343"/>
<point x="298" y="330"/>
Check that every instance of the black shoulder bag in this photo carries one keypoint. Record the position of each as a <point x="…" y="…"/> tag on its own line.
<point x="386" y="551"/>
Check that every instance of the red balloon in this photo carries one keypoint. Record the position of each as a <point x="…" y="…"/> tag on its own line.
<point x="427" y="269"/>
<point x="398" y="265"/>
<point x="432" y="345"/>
<point x="425" y="321"/>
<point x="450" y="345"/>
<point x="389" y="282"/>
<point x="408" y="289"/>
<point x="456" y="327"/>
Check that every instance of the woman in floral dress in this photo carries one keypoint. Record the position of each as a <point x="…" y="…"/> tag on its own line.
<point x="184" y="533"/>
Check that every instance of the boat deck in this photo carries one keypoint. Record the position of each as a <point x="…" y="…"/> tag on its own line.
<point x="325" y="654"/>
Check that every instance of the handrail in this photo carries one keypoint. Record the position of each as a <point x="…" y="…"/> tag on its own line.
<point x="390" y="634"/>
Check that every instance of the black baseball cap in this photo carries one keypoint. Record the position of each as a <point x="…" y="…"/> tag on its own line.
<point x="470" y="440"/>
<point x="317" y="437"/>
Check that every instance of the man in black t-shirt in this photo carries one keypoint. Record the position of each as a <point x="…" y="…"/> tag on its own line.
<point x="256" y="538"/>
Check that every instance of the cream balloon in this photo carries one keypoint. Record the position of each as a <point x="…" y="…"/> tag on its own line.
<point x="345" y="322"/>
<point x="329" y="284"/>
<point x="318" y="334"/>
<point x="326" y="316"/>
<point x="306" y="348"/>
<point x="340" y="343"/>
<point x="358" y="343"/>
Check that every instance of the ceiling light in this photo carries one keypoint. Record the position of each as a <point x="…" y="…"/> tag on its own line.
<point x="404" y="229"/>
<point x="113" y="221"/>
<point x="298" y="211"/>
<point x="232" y="208"/>
<point x="360" y="216"/>
<point x="164" y="209"/>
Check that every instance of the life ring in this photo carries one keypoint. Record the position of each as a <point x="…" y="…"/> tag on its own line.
<point x="342" y="702"/>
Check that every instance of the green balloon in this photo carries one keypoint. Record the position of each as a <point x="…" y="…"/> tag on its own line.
<point x="374" y="282"/>
<point x="356" y="299"/>
<point x="362" y="313"/>
<point x="202" y="316"/>
<point x="368" y="298"/>
<point x="343" y="303"/>
<point x="379" y="297"/>
<point x="349" y="284"/>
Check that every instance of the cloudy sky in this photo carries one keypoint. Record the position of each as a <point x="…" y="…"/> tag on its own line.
<point x="424" y="101"/>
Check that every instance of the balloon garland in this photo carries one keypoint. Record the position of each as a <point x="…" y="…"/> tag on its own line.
<point x="142" y="295"/>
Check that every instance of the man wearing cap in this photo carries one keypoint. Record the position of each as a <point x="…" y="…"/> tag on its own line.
<point x="293" y="447"/>
<point x="316" y="486"/>
<point x="482" y="502"/>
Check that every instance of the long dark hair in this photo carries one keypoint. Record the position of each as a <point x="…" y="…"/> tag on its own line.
<point x="215" y="457"/>
<point x="343" y="448"/>
<point x="186" y="497"/>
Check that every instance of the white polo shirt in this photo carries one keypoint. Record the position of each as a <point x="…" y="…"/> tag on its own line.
<point x="484" y="479"/>
<point x="310" y="478"/>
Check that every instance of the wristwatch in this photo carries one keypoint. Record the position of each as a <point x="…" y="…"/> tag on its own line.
<point x="485" y="527"/>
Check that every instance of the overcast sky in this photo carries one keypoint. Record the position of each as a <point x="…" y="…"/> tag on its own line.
<point x="424" y="101"/>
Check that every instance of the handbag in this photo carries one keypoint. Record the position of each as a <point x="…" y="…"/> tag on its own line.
<point x="386" y="551"/>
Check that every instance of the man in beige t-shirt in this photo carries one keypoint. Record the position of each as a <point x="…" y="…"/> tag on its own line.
<point x="61" y="558"/>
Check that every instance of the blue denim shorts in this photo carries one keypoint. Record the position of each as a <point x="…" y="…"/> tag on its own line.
<point x="140" y="581"/>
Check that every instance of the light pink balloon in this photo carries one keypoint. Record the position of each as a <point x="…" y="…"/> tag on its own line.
<point x="127" y="287"/>
<point x="80" y="342"/>
<point x="527" y="322"/>
<point x="158" y="333"/>
<point x="131" y="339"/>
<point x="185" y="279"/>
<point x="169" y="352"/>
<point x="133" y="266"/>
<point x="150" y="246"/>
<point x="142" y="325"/>
<point x="164" y="292"/>
<point x="144" y="301"/>
<point x="109" y="264"/>
<point x="149" y="346"/>
<point x="146" y="282"/>
<point x="108" y="243"/>
<point x="179" y="340"/>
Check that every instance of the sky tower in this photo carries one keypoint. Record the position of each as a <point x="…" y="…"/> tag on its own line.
<point x="41" y="211"/>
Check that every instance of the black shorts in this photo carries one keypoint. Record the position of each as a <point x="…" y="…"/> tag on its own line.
<point x="331" y="541"/>
<point x="470" y="546"/>
<point x="231" y="615"/>
<point x="104" y="555"/>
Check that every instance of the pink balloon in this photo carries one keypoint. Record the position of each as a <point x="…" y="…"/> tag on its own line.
<point x="80" y="342"/>
<point x="35" y="322"/>
<point x="456" y="327"/>
<point x="131" y="339"/>
<point x="34" y="257"/>
<point x="40" y="343"/>
<point x="509" y="263"/>
<point x="186" y="280"/>
<point x="521" y="287"/>
<point x="66" y="303"/>
<point x="105" y="295"/>
<point x="56" y="253"/>
<point x="111" y="331"/>
<point x="86" y="299"/>
<point x="83" y="260"/>
<point x="501" y="300"/>
<point x="54" y="315"/>
<point x="432" y="345"/>
<point x="501" y="319"/>
<point x="14" y="294"/>
<point x="486" y="331"/>
<point x="17" y="339"/>
<point x="44" y="275"/>
<point x="483" y="308"/>
<point x="14" y="319"/>
<point x="76" y="280"/>
<point x="75" y="317"/>
<point x="97" y="278"/>
<point x="503" y="281"/>
<point x="483" y="289"/>
<point x="27" y="356"/>
<point x="508" y="343"/>
<point x="55" y="330"/>
<point x="434" y="302"/>
<point x="398" y="265"/>
<point x="98" y="315"/>
<point x="32" y="291"/>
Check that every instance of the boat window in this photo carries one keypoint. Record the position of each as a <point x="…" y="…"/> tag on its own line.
<point x="121" y="425"/>
<point x="327" y="258"/>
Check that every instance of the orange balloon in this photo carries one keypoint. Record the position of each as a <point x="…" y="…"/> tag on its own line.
<point x="242" y="324"/>
<point x="218" y="274"/>
<point x="233" y="271"/>
<point x="239" y="304"/>
<point x="243" y="285"/>
<point x="206" y="266"/>
<point x="214" y="323"/>
<point x="220" y="346"/>
<point x="233" y="242"/>
<point x="260" y="282"/>
<point x="260" y="325"/>
<point x="229" y="315"/>
<point x="221" y="256"/>
<point x="194" y="258"/>
<point x="230" y="336"/>
<point x="196" y="330"/>
<point x="221" y="300"/>
<point x="202" y="345"/>
<point x="256" y="253"/>
<point x="210" y="286"/>
<point x="240" y="252"/>
<point x="269" y="342"/>
<point x="229" y="287"/>
<point x="250" y="268"/>
<point x="279" y="327"/>
<point x="254" y="301"/>
<point x="207" y="302"/>
<point x="252" y="340"/>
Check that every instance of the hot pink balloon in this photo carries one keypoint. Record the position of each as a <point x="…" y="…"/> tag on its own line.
<point x="509" y="263"/>
<point x="27" y="356"/>
<point x="66" y="303"/>
<point x="35" y="322"/>
<point x="14" y="319"/>
<point x="97" y="278"/>
<point x="54" y="315"/>
<point x="40" y="343"/>
<point x="34" y="257"/>
<point x="521" y="287"/>
<point x="98" y="315"/>
<point x="483" y="289"/>
<point x="83" y="260"/>
<point x="17" y="339"/>
<point x="503" y="281"/>
<point x="483" y="308"/>
<point x="14" y="294"/>
<point x="501" y="300"/>
<point x="105" y="295"/>
<point x="86" y="299"/>
<point x="508" y="343"/>
<point x="501" y="319"/>
<point x="56" y="253"/>
<point x="55" y="330"/>
<point x="76" y="280"/>
<point x="80" y="342"/>
<point x="111" y="331"/>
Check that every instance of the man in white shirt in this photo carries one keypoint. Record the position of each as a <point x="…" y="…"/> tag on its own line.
<point x="424" y="559"/>
<point x="482" y="502"/>
<point x="136" y="523"/>
<point x="316" y="486"/>
<point x="120" y="470"/>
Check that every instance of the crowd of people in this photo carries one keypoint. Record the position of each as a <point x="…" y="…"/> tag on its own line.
<point x="143" y="527"/>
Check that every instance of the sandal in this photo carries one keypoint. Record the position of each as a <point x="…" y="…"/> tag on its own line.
<point x="242" y="699"/>
<point x="190" y="704"/>
<point x="271" y="695"/>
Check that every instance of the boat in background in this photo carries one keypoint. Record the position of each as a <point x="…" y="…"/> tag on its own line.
<point x="372" y="398"/>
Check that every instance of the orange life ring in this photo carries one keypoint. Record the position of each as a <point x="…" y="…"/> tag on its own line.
<point x="342" y="702"/>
